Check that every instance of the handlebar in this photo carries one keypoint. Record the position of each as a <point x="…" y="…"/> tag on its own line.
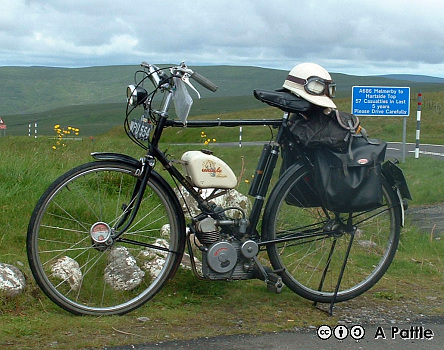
<point x="156" y="75"/>
<point x="206" y="83"/>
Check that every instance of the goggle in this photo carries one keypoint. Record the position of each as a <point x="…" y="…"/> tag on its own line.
<point x="316" y="85"/>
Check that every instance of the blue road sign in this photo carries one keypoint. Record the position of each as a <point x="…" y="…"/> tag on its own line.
<point x="381" y="101"/>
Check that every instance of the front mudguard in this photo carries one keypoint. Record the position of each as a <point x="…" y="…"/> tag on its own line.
<point x="118" y="157"/>
<point x="139" y="164"/>
<point x="397" y="181"/>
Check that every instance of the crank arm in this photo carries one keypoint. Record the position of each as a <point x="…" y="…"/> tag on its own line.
<point x="273" y="280"/>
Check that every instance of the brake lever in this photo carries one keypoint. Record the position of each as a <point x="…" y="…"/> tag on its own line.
<point x="186" y="80"/>
<point x="186" y="74"/>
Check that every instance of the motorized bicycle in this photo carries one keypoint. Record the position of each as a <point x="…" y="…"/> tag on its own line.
<point x="106" y="236"/>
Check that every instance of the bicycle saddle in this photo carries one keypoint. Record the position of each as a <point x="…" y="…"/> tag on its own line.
<point x="282" y="99"/>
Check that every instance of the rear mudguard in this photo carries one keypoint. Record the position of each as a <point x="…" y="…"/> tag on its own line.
<point x="396" y="179"/>
<point x="102" y="156"/>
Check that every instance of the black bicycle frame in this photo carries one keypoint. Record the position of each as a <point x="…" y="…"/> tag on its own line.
<point x="269" y="162"/>
<point x="258" y="188"/>
<point x="261" y="183"/>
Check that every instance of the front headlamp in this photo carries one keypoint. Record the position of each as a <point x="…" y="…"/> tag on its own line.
<point x="136" y="95"/>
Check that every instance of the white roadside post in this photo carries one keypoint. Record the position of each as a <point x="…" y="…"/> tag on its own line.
<point x="418" y="124"/>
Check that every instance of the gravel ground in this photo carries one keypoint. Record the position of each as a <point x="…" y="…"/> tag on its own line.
<point x="429" y="219"/>
<point x="361" y="311"/>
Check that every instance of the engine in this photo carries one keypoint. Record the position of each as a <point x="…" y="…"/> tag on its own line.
<point x="221" y="241"/>
<point x="223" y="255"/>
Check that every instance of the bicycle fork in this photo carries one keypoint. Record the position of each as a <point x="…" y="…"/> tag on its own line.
<point x="129" y="210"/>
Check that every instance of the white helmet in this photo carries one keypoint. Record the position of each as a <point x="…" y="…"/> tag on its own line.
<point x="313" y="83"/>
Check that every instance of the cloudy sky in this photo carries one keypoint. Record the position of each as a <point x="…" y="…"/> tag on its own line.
<point x="345" y="36"/>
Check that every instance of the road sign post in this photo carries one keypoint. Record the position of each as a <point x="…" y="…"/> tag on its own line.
<point x="381" y="101"/>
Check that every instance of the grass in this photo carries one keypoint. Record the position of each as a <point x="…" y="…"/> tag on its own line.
<point x="187" y="307"/>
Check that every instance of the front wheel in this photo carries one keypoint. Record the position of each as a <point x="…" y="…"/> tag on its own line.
<point x="73" y="249"/>
<point x="314" y="241"/>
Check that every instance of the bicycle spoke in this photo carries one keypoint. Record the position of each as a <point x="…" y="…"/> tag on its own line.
<point x="317" y="253"/>
<point x="75" y="255"/>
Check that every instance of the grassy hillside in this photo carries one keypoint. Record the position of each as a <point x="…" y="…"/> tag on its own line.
<point x="93" y="99"/>
<point x="37" y="89"/>
<point x="97" y="119"/>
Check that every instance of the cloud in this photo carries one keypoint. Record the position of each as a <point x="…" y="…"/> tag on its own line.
<point x="382" y="37"/>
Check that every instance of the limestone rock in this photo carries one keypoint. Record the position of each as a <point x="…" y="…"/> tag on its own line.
<point x="122" y="273"/>
<point x="12" y="281"/>
<point x="68" y="270"/>
<point x="153" y="260"/>
<point x="231" y="198"/>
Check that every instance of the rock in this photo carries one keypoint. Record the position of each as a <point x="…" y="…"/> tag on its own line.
<point x="12" y="281"/>
<point x="165" y="231"/>
<point x="236" y="199"/>
<point x="231" y="198"/>
<point x="68" y="270"/>
<point x="186" y="263"/>
<point x="122" y="273"/>
<point x="368" y="244"/>
<point x="154" y="266"/>
<point x="154" y="259"/>
<point x="428" y="219"/>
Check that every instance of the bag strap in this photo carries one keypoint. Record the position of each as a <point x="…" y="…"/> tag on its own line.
<point x="351" y="123"/>
<point x="344" y="164"/>
<point x="348" y="121"/>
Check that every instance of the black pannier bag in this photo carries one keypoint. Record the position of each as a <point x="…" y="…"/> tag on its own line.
<point x="349" y="180"/>
<point x="347" y="175"/>
<point x="314" y="130"/>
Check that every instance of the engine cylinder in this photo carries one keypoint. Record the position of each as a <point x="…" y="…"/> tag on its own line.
<point x="207" y="232"/>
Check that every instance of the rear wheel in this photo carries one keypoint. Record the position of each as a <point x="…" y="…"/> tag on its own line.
<point x="315" y="241"/>
<point x="74" y="254"/>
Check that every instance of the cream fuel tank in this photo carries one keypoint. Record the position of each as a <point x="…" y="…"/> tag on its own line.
<point x="208" y="171"/>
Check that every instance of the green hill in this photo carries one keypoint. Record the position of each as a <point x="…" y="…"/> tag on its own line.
<point x="35" y="89"/>
<point x="94" y="98"/>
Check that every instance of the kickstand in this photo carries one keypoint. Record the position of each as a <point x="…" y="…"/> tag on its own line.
<point x="341" y="274"/>
<point x="324" y="274"/>
<point x="352" y="237"/>
<point x="344" y="264"/>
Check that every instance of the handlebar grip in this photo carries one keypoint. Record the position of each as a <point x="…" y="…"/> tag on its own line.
<point x="206" y="83"/>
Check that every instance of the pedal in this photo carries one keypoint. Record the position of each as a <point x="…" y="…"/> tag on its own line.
<point x="274" y="283"/>
<point x="273" y="280"/>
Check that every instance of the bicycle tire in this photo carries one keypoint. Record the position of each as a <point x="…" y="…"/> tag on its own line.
<point x="305" y="261"/>
<point x="73" y="259"/>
